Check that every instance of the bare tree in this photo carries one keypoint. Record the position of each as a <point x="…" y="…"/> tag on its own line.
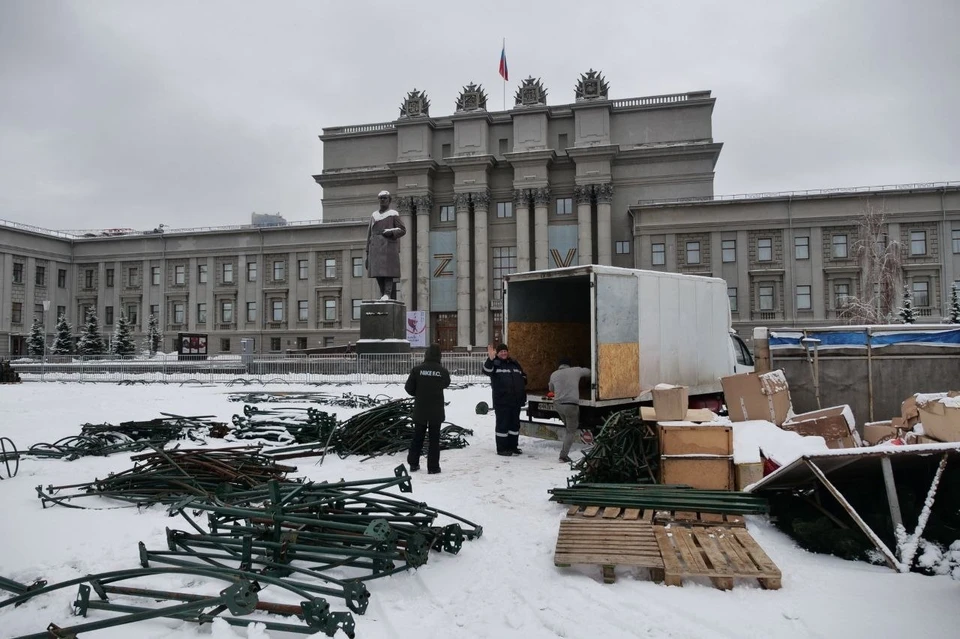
<point x="881" y="271"/>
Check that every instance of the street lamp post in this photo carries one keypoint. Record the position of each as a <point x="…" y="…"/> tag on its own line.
<point x="43" y="366"/>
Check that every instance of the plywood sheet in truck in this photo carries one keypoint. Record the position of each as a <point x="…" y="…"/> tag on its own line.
<point x="617" y="331"/>
<point x="547" y="319"/>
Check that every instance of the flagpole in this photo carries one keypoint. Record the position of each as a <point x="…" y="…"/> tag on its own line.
<point x="504" y="49"/>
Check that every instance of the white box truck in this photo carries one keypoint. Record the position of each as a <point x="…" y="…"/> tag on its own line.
<point x="634" y="329"/>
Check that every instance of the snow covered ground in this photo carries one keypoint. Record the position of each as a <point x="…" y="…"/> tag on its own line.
<point x="502" y="585"/>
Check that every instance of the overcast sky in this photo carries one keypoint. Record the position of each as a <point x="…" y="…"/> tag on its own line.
<point x="131" y="113"/>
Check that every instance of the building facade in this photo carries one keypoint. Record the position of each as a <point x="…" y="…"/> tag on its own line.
<point x="483" y="194"/>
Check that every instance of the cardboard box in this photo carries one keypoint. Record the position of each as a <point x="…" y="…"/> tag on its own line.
<point x="696" y="440"/>
<point x="670" y="402"/>
<point x="924" y="439"/>
<point x="705" y="473"/>
<point x="749" y="473"/>
<point x="878" y="432"/>
<point x="941" y="418"/>
<point x="909" y="412"/>
<point x="750" y="396"/>
<point x="836" y="425"/>
<point x="648" y="414"/>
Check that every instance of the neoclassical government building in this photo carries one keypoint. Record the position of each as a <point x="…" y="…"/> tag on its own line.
<point x="622" y="182"/>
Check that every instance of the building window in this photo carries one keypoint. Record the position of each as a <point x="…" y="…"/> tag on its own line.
<point x="355" y="315"/>
<point x="502" y="145"/>
<point x="804" y="301"/>
<point x="38" y="312"/>
<point x="765" y="249"/>
<point x="274" y="343"/>
<point x="226" y="311"/>
<point x="693" y="252"/>
<point x="301" y="343"/>
<point x="16" y="313"/>
<point x="17" y="273"/>
<point x="921" y="294"/>
<point x="329" y="268"/>
<point x="840" y="247"/>
<point x="732" y="296"/>
<point x="109" y="274"/>
<point x="178" y="312"/>
<point x="565" y="206"/>
<point x="445" y="151"/>
<point x="358" y="267"/>
<point x="279" y="268"/>
<point x="955" y="236"/>
<point x="302" y="311"/>
<point x="448" y="213"/>
<point x="132" y="313"/>
<point x="918" y="242"/>
<point x="108" y="315"/>
<point x="201" y="273"/>
<point x="277" y="313"/>
<point x="328" y="341"/>
<point x="201" y="313"/>
<point x="251" y="271"/>
<point x="766" y="298"/>
<point x="622" y="248"/>
<point x="801" y="248"/>
<point x="61" y="278"/>
<point x="303" y="269"/>
<point x="42" y="276"/>
<point x="224" y="344"/>
<point x="504" y="209"/>
<point x="228" y="273"/>
<point x="330" y="310"/>
<point x="841" y="294"/>
<point x="179" y="274"/>
<point x="133" y="276"/>
<point x="729" y="250"/>
<point x="88" y="278"/>
<point x="155" y="275"/>
<point x="504" y="263"/>
<point x="658" y="253"/>
<point x="155" y="310"/>
<point x="61" y="311"/>
<point x="251" y="311"/>
<point x="562" y="141"/>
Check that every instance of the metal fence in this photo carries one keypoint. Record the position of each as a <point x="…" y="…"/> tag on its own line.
<point x="465" y="368"/>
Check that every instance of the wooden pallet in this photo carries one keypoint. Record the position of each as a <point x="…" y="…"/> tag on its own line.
<point x="686" y="518"/>
<point x="608" y="537"/>
<point x="720" y="553"/>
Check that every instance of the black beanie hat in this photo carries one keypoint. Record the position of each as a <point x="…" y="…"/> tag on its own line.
<point x="502" y="347"/>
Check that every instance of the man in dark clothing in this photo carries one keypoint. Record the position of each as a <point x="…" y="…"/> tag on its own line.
<point x="425" y="384"/>
<point x="509" y="385"/>
<point x="565" y="386"/>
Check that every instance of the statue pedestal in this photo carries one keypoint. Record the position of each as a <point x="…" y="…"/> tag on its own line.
<point x="383" y="327"/>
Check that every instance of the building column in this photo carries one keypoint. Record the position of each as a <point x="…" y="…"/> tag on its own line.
<point x="424" y="206"/>
<point x="604" y="237"/>
<point x="462" y="203"/>
<point x="481" y="267"/>
<point x="405" y="285"/>
<point x="584" y="196"/>
<point x="541" y="243"/>
<point x="521" y="207"/>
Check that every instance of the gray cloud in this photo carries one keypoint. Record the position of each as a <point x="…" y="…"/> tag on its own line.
<point x="133" y="113"/>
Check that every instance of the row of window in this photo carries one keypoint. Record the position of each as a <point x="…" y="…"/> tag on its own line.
<point x="275" y="343"/>
<point x="801" y="248"/>
<point x="766" y="295"/>
<point x="564" y="206"/>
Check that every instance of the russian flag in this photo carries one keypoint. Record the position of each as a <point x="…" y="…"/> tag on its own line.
<point x="503" y="64"/>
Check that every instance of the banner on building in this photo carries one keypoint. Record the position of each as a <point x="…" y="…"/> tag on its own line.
<point x="562" y="241"/>
<point x="443" y="271"/>
<point x="417" y="328"/>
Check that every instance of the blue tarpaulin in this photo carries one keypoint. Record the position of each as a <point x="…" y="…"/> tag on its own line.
<point x="854" y="339"/>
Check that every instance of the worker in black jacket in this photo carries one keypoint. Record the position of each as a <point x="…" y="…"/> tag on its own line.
<point x="509" y="385"/>
<point x="425" y="384"/>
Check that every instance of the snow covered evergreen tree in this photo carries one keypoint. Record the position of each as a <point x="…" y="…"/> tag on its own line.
<point x="122" y="341"/>
<point x="907" y="314"/>
<point x="37" y="341"/>
<point x="954" y="305"/>
<point x="91" y="342"/>
<point x="63" y="342"/>
<point x="154" y="337"/>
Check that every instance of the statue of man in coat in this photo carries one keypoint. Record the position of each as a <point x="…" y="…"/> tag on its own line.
<point x="383" y="247"/>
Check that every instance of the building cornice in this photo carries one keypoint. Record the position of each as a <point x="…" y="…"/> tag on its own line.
<point x="538" y="156"/>
<point x="480" y="161"/>
<point x="698" y="149"/>
<point x="413" y="166"/>
<point x="338" y="177"/>
<point x="593" y="152"/>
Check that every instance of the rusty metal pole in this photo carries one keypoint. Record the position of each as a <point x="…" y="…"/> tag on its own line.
<point x="870" y="371"/>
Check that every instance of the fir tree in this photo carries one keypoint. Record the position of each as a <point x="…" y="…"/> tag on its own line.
<point x="907" y="314"/>
<point x="154" y="337"/>
<point x="37" y="342"/>
<point x="954" y="305"/>
<point x="122" y="341"/>
<point x="91" y="342"/>
<point x="63" y="342"/>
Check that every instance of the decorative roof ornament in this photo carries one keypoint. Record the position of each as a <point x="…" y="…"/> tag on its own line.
<point x="472" y="98"/>
<point x="416" y="104"/>
<point x="592" y="86"/>
<point x="531" y="93"/>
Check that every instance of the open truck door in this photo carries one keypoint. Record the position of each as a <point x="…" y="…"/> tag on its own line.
<point x="616" y="333"/>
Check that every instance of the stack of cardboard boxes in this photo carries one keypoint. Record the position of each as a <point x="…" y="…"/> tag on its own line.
<point x="931" y="418"/>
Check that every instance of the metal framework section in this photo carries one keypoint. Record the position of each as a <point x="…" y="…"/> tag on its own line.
<point x="616" y="330"/>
